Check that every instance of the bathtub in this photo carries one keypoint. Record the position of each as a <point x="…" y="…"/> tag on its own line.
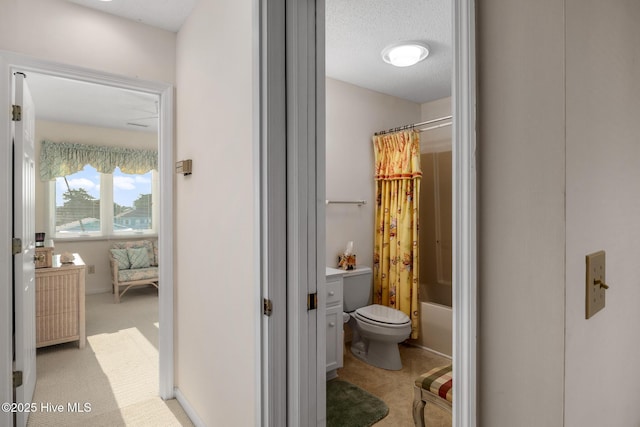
<point x="436" y="333"/>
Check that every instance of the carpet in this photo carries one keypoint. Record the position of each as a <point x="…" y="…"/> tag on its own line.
<point x="116" y="374"/>
<point x="350" y="406"/>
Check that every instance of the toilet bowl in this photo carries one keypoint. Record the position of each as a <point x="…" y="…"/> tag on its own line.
<point x="377" y="330"/>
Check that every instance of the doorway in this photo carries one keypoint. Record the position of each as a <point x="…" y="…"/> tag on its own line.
<point x="87" y="210"/>
<point x="10" y="64"/>
<point x="306" y="55"/>
<point x="347" y="180"/>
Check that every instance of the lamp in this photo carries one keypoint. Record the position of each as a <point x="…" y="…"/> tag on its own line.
<point x="405" y="54"/>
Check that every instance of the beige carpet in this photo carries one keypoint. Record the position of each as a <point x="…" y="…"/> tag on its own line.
<point x="114" y="379"/>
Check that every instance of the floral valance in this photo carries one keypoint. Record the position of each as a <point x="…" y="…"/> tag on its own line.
<point x="65" y="158"/>
<point x="397" y="155"/>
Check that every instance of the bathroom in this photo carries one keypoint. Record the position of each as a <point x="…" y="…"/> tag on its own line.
<point x="354" y="114"/>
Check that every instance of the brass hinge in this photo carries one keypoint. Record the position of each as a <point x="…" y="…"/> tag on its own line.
<point x="17" y="379"/>
<point x="16" y="246"/>
<point x="16" y="113"/>
<point x="312" y="301"/>
<point x="267" y="307"/>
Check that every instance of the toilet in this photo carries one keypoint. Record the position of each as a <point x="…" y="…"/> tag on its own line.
<point x="377" y="329"/>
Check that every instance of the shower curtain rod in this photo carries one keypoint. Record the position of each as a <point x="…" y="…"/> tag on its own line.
<point x="414" y="125"/>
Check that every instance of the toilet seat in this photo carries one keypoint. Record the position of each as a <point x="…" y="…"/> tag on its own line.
<point x="383" y="316"/>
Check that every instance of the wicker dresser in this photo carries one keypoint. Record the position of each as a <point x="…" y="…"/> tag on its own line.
<point x="60" y="303"/>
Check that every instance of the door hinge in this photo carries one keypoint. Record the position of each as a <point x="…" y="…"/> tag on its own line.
<point x="17" y="379"/>
<point x="312" y="301"/>
<point x="267" y="307"/>
<point x="16" y="246"/>
<point x="16" y="113"/>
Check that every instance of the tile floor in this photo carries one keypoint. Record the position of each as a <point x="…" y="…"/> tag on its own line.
<point x="395" y="388"/>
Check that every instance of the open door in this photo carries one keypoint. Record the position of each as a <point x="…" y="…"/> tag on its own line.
<point x="306" y="295"/>
<point x="24" y="241"/>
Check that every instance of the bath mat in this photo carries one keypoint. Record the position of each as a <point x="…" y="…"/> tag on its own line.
<point x="350" y="406"/>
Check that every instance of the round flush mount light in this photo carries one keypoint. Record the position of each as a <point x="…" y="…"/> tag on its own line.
<point x="405" y="54"/>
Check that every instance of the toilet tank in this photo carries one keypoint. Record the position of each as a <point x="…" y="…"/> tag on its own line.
<point x="357" y="288"/>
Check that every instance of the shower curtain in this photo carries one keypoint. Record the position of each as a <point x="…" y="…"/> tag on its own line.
<point x="395" y="258"/>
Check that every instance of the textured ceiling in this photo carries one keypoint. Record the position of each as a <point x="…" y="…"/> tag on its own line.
<point x="358" y="30"/>
<point x="166" y="14"/>
<point x="356" y="33"/>
<point x="72" y="101"/>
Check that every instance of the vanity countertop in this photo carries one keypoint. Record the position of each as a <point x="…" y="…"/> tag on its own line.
<point x="334" y="272"/>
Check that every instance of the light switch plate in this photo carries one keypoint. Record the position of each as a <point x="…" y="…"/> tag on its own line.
<point x="595" y="283"/>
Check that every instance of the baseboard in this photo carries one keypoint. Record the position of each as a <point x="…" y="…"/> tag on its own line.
<point x="430" y="350"/>
<point x="188" y="409"/>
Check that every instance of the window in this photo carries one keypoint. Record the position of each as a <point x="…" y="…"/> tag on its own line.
<point x="85" y="201"/>
<point x="91" y="204"/>
<point x="132" y="202"/>
<point x="77" y="202"/>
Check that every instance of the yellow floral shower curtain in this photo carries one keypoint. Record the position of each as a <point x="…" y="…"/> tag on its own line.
<point x="395" y="258"/>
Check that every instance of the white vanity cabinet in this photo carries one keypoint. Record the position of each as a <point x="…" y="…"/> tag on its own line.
<point x="335" y="337"/>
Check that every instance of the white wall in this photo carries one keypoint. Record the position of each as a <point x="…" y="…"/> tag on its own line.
<point x="93" y="252"/>
<point x="60" y="31"/>
<point x="216" y="280"/>
<point x="558" y="114"/>
<point x="354" y="114"/>
<point x="56" y="30"/>
<point x="521" y="215"/>
<point x="603" y="210"/>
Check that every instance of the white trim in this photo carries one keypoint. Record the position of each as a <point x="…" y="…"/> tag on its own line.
<point x="320" y="208"/>
<point x="165" y="243"/>
<point x="257" y="213"/>
<point x="10" y="61"/>
<point x="6" y="232"/>
<point x="273" y="209"/>
<point x="465" y="214"/>
<point x="188" y="409"/>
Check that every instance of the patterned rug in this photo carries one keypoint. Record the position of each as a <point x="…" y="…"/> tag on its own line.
<point x="350" y="406"/>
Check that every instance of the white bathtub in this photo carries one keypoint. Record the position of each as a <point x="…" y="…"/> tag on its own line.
<point x="436" y="333"/>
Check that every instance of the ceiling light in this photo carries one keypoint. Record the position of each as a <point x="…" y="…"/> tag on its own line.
<point x="405" y="54"/>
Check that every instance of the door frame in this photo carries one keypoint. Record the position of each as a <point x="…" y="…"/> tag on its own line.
<point x="11" y="62"/>
<point x="305" y="79"/>
<point x="308" y="80"/>
<point x="465" y="266"/>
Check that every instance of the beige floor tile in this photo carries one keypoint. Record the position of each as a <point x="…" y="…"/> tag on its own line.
<point x="395" y="388"/>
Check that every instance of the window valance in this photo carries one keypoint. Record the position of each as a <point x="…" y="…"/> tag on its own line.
<point x="65" y="158"/>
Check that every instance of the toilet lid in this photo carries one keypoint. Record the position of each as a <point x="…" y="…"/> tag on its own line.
<point x="382" y="314"/>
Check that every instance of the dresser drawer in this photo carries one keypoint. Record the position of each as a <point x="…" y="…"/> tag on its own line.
<point x="334" y="291"/>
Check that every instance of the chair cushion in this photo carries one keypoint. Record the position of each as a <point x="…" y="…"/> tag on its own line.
<point x="121" y="257"/>
<point x="148" y="244"/>
<point x="438" y="381"/>
<point x="138" y="257"/>
<point x="150" y="273"/>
